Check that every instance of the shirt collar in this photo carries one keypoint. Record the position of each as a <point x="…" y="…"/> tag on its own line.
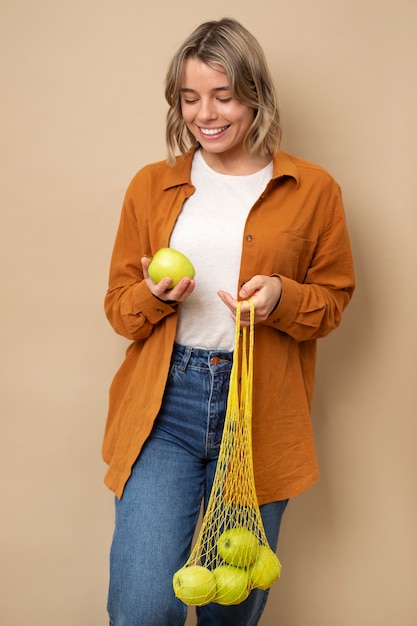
<point x="179" y="174"/>
<point x="285" y="166"/>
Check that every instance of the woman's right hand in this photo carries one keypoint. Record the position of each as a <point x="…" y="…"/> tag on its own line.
<point x="160" y="290"/>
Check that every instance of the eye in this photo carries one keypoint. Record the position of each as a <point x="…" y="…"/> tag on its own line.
<point x="225" y="100"/>
<point x="188" y="100"/>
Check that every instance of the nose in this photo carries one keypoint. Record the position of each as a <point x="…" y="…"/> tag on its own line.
<point x="207" y="109"/>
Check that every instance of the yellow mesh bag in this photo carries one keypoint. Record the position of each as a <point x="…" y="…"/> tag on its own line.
<point x="231" y="555"/>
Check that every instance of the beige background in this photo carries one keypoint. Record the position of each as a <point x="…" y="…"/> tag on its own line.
<point x="81" y="110"/>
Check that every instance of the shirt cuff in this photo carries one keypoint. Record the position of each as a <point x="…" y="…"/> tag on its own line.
<point x="284" y="313"/>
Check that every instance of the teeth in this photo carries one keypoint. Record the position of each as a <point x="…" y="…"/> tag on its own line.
<point x="212" y="131"/>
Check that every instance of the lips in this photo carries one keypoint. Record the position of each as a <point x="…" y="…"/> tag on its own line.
<point x="212" y="132"/>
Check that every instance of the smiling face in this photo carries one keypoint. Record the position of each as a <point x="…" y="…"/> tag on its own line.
<point x="217" y="121"/>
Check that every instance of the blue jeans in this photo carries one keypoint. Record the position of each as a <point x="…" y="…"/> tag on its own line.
<point x="158" y="512"/>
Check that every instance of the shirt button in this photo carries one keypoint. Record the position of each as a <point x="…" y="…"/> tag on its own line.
<point x="160" y="311"/>
<point x="249" y="237"/>
<point x="277" y="321"/>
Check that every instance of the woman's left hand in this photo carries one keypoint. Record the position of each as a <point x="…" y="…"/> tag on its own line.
<point x="265" y="293"/>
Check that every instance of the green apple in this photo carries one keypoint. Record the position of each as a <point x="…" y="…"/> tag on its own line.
<point x="232" y="584"/>
<point x="170" y="263"/>
<point x="266" y="569"/>
<point x="194" y="585"/>
<point x="238" y="546"/>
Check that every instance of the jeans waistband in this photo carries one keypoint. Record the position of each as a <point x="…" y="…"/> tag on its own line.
<point x="199" y="357"/>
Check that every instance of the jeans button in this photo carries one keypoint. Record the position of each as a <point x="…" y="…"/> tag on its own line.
<point x="215" y="360"/>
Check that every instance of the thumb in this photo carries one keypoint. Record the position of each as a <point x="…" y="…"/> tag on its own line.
<point x="146" y="261"/>
<point x="248" y="289"/>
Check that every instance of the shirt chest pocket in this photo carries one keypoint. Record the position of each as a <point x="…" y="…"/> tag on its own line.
<point x="293" y="256"/>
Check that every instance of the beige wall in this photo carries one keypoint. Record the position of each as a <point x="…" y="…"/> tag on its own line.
<point x="81" y="110"/>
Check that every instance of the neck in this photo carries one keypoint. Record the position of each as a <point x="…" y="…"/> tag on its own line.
<point x="236" y="165"/>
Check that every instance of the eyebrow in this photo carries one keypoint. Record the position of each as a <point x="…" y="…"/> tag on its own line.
<point x="216" y="89"/>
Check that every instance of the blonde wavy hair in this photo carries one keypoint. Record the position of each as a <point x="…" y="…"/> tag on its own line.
<point x="226" y="43"/>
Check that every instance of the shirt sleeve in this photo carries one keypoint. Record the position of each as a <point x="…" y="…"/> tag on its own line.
<point x="313" y="308"/>
<point x="130" y="307"/>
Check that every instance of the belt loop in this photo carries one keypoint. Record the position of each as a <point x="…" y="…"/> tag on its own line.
<point x="185" y="358"/>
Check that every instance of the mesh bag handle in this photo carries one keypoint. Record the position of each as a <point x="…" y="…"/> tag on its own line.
<point x="231" y="555"/>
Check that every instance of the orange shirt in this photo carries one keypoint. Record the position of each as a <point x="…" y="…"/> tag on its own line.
<point x="296" y="230"/>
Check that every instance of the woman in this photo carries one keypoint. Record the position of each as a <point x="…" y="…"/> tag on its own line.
<point x="256" y="223"/>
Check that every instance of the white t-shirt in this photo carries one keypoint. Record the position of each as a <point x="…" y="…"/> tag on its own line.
<point x="209" y="230"/>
